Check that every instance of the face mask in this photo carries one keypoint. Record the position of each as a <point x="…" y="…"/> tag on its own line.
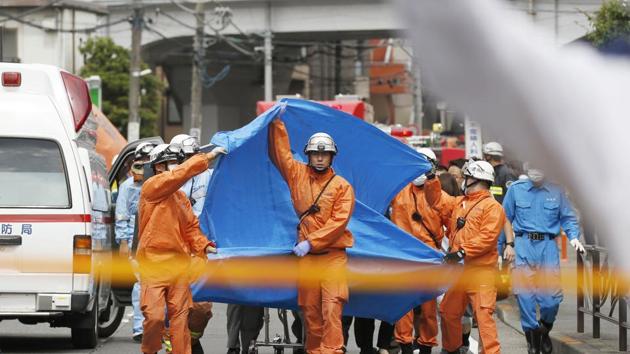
<point x="419" y="181"/>
<point x="171" y="166"/>
<point x="536" y="176"/>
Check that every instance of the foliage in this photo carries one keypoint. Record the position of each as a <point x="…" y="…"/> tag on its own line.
<point x="611" y="23"/>
<point x="111" y="62"/>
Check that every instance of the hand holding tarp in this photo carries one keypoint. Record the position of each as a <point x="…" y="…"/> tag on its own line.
<point x="302" y="248"/>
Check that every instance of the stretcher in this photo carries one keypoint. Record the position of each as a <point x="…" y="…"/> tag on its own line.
<point x="279" y="342"/>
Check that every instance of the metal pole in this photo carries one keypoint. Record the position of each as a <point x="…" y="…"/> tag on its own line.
<point x="268" y="58"/>
<point x="337" y="68"/>
<point x="196" y="90"/>
<point x="596" y="291"/>
<point x="623" y="315"/>
<point x="580" y="294"/>
<point x="556" y="25"/>
<point x="133" y="127"/>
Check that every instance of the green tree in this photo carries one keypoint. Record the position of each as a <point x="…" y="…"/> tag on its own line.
<point x="110" y="61"/>
<point x="612" y="22"/>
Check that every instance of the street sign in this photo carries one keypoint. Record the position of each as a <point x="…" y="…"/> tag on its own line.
<point x="473" y="139"/>
<point x="96" y="91"/>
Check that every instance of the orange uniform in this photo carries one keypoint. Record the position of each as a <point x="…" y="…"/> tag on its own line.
<point x="326" y="231"/>
<point x="478" y="238"/>
<point x="429" y="230"/>
<point x="168" y="235"/>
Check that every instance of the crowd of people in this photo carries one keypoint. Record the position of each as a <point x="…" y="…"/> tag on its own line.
<point x="475" y="212"/>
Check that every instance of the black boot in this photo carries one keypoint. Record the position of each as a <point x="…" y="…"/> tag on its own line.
<point x="424" y="349"/>
<point x="533" y="341"/>
<point x="546" y="347"/>
<point x="466" y="339"/>
<point x="406" y="348"/>
<point x="196" y="348"/>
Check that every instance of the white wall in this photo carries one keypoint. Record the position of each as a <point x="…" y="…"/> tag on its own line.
<point x="51" y="47"/>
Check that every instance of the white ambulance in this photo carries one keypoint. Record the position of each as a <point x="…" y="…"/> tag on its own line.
<point x="56" y="222"/>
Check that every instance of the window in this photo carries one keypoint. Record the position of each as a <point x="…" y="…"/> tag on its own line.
<point x="8" y="45"/>
<point x="32" y="174"/>
<point x="173" y="115"/>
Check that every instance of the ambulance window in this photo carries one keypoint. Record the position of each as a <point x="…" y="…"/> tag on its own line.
<point x="32" y="174"/>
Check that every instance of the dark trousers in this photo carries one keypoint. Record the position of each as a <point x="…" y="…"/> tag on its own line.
<point x="364" y="333"/>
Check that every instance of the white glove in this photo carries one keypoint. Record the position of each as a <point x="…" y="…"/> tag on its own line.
<point x="577" y="245"/>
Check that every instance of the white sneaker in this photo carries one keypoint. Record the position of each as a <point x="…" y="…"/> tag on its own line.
<point x="383" y="351"/>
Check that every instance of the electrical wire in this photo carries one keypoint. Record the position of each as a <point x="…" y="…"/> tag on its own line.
<point x="59" y="30"/>
<point x="183" y="8"/>
<point x="32" y="11"/>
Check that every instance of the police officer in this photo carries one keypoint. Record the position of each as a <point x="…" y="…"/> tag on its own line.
<point x="126" y="207"/>
<point x="537" y="210"/>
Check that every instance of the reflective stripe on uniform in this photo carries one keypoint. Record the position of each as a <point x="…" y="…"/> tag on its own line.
<point x="496" y="190"/>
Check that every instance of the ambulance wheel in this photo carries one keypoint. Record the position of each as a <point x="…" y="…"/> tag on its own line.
<point x="111" y="318"/>
<point x="85" y="334"/>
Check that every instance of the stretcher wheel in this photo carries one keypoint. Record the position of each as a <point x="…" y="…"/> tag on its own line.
<point x="278" y="351"/>
<point x="253" y="350"/>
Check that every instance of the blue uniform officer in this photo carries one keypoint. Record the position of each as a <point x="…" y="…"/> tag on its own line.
<point x="537" y="210"/>
<point x="126" y="208"/>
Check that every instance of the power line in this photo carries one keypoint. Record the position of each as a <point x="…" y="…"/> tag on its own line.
<point x="32" y="11"/>
<point x="60" y="30"/>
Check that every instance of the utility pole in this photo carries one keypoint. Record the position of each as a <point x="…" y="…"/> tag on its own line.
<point x="133" y="126"/>
<point x="337" y="68"/>
<point x="196" y="90"/>
<point x="268" y="58"/>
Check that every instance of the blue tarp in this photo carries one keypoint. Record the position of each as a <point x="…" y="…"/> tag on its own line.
<point x="249" y="213"/>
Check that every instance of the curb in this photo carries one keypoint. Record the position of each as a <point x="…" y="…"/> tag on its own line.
<point x="508" y="313"/>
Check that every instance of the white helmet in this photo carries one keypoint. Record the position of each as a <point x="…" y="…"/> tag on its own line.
<point x="428" y="153"/>
<point x="493" y="149"/>
<point x="480" y="170"/>
<point x="188" y="144"/>
<point x="164" y="153"/>
<point x="143" y="150"/>
<point x="320" y="142"/>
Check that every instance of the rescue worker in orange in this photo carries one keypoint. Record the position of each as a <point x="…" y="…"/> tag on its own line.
<point x="169" y="236"/>
<point x="475" y="222"/>
<point x="411" y="212"/>
<point x="324" y="202"/>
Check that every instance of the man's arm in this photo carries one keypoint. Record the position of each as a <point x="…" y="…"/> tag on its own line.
<point x="196" y="239"/>
<point x="343" y="207"/>
<point x="123" y="219"/>
<point x="166" y="183"/>
<point x="509" y="206"/>
<point x="280" y="150"/>
<point x="439" y="200"/>
<point x="568" y="218"/>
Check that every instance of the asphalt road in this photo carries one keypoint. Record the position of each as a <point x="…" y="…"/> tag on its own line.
<point x="19" y="338"/>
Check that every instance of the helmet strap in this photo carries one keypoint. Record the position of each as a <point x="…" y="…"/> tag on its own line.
<point x="468" y="186"/>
